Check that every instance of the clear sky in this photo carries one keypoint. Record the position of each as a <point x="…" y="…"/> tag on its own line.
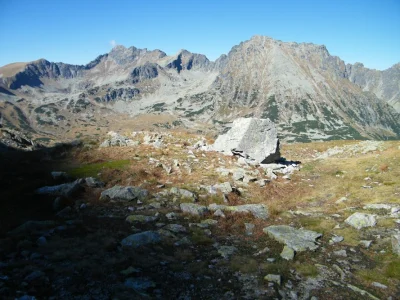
<point x="77" y="31"/>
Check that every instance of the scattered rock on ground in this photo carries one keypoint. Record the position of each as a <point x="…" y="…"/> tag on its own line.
<point x="141" y="239"/>
<point x="297" y="239"/>
<point x="124" y="193"/>
<point x="360" y="220"/>
<point x="193" y="209"/>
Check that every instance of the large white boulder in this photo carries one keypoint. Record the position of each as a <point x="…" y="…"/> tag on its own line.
<point x="252" y="138"/>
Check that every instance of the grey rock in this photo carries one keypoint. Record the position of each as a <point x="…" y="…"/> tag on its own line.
<point x="93" y="182"/>
<point x="342" y="253"/>
<point x="378" y="206"/>
<point x="336" y="239"/>
<point x="182" y="193"/>
<point x="141" y="239"/>
<point x="41" y="241"/>
<point x="171" y="216"/>
<point x="31" y="227"/>
<point x="379" y="285"/>
<point x="238" y="174"/>
<point x="124" y="193"/>
<point x="64" y="190"/>
<point x="224" y="187"/>
<point x="273" y="278"/>
<point x="395" y="239"/>
<point x="249" y="227"/>
<point x="193" y="209"/>
<point x="117" y="140"/>
<point x="365" y="243"/>
<point x="141" y="219"/>
<point x="252" y="138"/>
<point x="297" y="239"/>
<point x="57" y="175"/>
<point x="259" y="211"/>
<point x="226" y="251"/>
<point x="176" y="228"/>
<point x="361" y="220"/>
<point x="287" y="253"/>
<point x="219" y="213"/>
<point x="140" y="284"/>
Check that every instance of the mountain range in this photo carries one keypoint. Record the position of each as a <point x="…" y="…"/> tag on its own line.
<point x="308" y="93"/>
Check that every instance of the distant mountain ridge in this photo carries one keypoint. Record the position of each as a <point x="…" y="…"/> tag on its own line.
<point x="307" y="92"/>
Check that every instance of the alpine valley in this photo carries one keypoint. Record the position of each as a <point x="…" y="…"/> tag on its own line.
<point x="308" y="93"/>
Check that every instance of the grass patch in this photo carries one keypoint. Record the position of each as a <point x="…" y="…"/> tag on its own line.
<point x="321" y="225"/>
<point x="393" y="269"/>
<point x="307" y="270"/>
<point x="92" y="170"/>
<point x="244" y="264"/>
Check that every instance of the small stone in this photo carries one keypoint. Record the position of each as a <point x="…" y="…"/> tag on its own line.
<point x="396" y="244"/>
<point x="171" y="216"/>
<point x="226" y="251"/>
<point x="273" y="278"/>
<point x="249" y="227"/>
<point x="379" y="285"/>
<point x="336" y="239"/>
<point x="343" y="199"/>
<point x="342" y="253"/>
<point x="287" y="253"/>
<point x="270" y="259"/>
<point x="219" y="213"/>
<point x="176" y="228"/>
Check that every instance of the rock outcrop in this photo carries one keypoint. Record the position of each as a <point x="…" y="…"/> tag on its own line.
<point x="252" y="138"/>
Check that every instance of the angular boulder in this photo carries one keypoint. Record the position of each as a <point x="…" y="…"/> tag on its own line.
<point x="141" y="239"/>
<point x="297" y="239"/>
<point x="252" y="138"/>
<point x="193" y="209"/>
<point x="64" y="190"/>
<point x="124" y="193"/>
<point x="259" y="211"/>
<point x="361" y="220"/>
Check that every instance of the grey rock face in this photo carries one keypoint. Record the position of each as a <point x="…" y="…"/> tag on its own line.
<point x="147" y="71"/>
<point x="297" y="239"/>
<point x="193" y="209"/>
<point x="124" y="193"/>
<point x="360" y="220"/>
<point x="259" y="211"/>
<point x="251" y="138"/>
<point x="64" y="190"/>
<point x="141" y="239"/>
<point x="141" y="219"/>
<point x="384" y="84"/>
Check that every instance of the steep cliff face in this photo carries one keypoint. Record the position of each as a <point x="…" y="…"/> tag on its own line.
<point x="307" y="92"/>
<point x="384" y="84"/>
<point x="302" y="88"/>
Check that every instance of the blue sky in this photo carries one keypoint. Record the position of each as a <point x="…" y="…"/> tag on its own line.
<point x="78" y="31"/>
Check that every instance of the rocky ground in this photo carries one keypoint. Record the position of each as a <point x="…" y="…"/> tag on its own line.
<point x="156" y="215"/>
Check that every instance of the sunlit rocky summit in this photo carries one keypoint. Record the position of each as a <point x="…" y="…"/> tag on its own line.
<point x="308" y="93"/>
